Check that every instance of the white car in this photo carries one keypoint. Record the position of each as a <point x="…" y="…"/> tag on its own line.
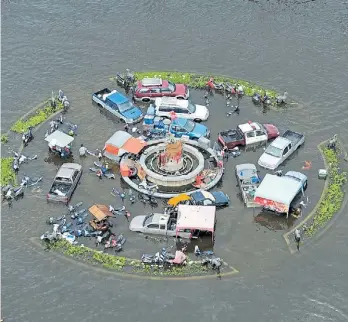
<point x="165" y="106"/>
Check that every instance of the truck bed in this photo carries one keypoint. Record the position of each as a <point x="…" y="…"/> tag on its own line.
<point x="248" y="192"/>
<point x="63" y="187"/>
<point x="231" y="136"/>
<point x="294" y="137"/>
<point x="102" y="92"/>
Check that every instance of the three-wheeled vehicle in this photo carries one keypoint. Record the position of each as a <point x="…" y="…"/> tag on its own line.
<point x="60" y="143"/>
<point x="100" y="214"/>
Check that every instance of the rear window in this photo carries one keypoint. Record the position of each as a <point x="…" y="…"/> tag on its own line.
<point x="63" y="179"/>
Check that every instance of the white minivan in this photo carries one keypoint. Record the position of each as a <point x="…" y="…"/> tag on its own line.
<point x="165" y="106"/>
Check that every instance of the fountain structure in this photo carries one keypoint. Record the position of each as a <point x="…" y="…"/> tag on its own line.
<point x="174" y="166"/>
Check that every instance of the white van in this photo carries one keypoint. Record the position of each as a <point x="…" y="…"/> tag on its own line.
<point x="164" y="106"/>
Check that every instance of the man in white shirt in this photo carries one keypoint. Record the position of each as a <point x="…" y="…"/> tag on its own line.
<point x="82" y="151"/>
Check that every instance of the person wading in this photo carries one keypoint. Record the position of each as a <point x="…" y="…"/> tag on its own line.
<point x="297" y="239"/>
<point x="82" y="151"/>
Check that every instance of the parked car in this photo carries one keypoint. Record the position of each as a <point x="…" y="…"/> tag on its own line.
<point x="157" y="224"/>
<point x="205" y="198"/>
<point x="186" y="109"/>
<point x="193" y="130"/>
<point x="65" y="183"/>
<point x="247" y="134"/>
<point x="280" y="149"/>
<point x="149" y="89"/>
<point x="118" y="104"/>
<point x="248" y="182"/>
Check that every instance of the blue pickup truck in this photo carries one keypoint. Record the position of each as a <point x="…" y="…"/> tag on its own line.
<point x="193" y="130"/>
<point x="118" y="104"/>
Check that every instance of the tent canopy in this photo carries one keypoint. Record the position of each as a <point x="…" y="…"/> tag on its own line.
<point x="122" y="142"/>
<point x="278" y="189"/>
<point x="59" y="138"/>
<point x="196" y="217"/>
<point x="100" y="212"/>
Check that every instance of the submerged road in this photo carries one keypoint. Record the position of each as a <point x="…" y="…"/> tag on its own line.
<point x="299" y="46"/>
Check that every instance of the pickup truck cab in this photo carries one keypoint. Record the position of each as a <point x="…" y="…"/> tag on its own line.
<point x="248" y="182"/>
<point x="247" y="134"/>
<point x="65" y="183"/>
<point x="157" y="224"/>
<point x="118" y="104"/>
<point x="280" y="149"/>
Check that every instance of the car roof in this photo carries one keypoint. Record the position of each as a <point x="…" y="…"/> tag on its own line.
<point x="159" y="218"/>
<point x="152" y="82"/>
<point x="280" y="142"/>
<point x="171" y="101"/>
<point x="118" y="98"/>
<point x="250" y="126"/>
<point x="179" y="121"/>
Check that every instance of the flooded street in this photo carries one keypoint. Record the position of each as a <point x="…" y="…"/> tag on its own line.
<point x="296" y="46"/>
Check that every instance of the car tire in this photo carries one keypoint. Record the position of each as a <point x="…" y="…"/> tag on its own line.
<point x="198" y="120"/>
<point x="145" y="100"/>
<point x="180" y="98"/>
<point x="305" y="185"/>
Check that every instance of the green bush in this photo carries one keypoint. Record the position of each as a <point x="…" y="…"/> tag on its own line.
<point x="200" y="81"/>
<point x="39" y="117"/>
<point x="4" y="138"/>
<point x="332" y="201"/>
<point x="8" y="176"/>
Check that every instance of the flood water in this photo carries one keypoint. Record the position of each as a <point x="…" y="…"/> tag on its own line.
<point x="298" y="46"/>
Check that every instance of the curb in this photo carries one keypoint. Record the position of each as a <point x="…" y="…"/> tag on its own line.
<point x="313" y="212"/>
<point x="36" y="242"/>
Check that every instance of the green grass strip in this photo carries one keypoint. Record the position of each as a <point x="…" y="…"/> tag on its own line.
<point x="40" y="116"/>
<point x="7" y="174"/>
<point x="332" y="201"/>
<point x="200" y="81"/>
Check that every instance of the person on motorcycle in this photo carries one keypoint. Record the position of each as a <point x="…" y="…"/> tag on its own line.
<point x="265" y="98"/>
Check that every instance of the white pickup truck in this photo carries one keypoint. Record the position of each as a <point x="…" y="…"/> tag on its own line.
<point x="280" y="149"/>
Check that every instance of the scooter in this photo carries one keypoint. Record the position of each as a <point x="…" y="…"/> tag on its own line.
<point x="103" y="169"/>
<point x="14" y="193"/>
<point x="72" y="208"/>
<point x="256" y="98"/>
<point x="125" y="79"/>
<point x="27" y="136"/>
<point x="212" y="85"/>
<point x="117" y="212"/>
<point x="78" y="213"/>
<point x="281" y="99"/>
<point x="55" y="220"/>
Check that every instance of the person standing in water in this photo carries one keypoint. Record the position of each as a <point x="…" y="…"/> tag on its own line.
<point x="297" y="238"/>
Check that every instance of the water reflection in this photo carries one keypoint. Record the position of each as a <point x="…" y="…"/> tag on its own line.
<point x="273" y="221"/>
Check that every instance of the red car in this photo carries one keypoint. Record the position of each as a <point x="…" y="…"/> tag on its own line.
<point x="148" y="89"/>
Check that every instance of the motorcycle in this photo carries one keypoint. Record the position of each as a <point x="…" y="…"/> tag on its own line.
<point x="117" y="212"/>
<point x="281" y="99"/>
<point x="78" y="213"/>
<point x="126" y="79"/>
<point x="215" y="262"/>
<point x="72" y="208"/>
<point x="28" y="182"/>
<point x="116" y="243"/>
<point x="14" y="193"/>
<point x="212" y="85"/>
<point x="102" y="170"/>
<point x="256" y="98"/>
<point x="53" y="236"/>
<point x="27" y="136"/>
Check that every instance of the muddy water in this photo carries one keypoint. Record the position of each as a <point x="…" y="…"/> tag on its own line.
<point x="297" y="46"/>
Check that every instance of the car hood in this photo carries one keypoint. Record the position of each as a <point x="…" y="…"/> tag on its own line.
<point x="201" y="112"/>
<point x="137" y="223"/>
<point x="133" y="113"/>
<point x="199" y="130"/>
<point x="272" y="130"/>
<point x="220" y="198"/>
<point x="180" y="88"/>
<point x="268" y="161"/>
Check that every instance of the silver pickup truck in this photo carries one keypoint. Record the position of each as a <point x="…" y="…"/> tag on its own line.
<point x="280" y="149"/>
<point x="65" y="183"/>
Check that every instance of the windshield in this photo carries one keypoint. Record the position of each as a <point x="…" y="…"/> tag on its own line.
<point x="171" y="86"/>
<point x="147" y="220"/>
<point x="125" y="106"/>
<point x="189" y="126"/>
<point x="276" y="152"/>
<point x="191" y="107"/>
<point x="262" y="128"/>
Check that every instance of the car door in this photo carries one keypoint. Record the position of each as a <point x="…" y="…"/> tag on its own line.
<point x="260" y="136"/>
<point x="152" y="229"/>
<point x="182" y="112"/>
<point x="287" y="151"/>
<point x="143" y="92"/>
<point x="163" y="111"/>
<point x="74" y="182"/>
<point x="165" y="92"/>
<point x="155" y="92"/>
<point x="250" y="137"/>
